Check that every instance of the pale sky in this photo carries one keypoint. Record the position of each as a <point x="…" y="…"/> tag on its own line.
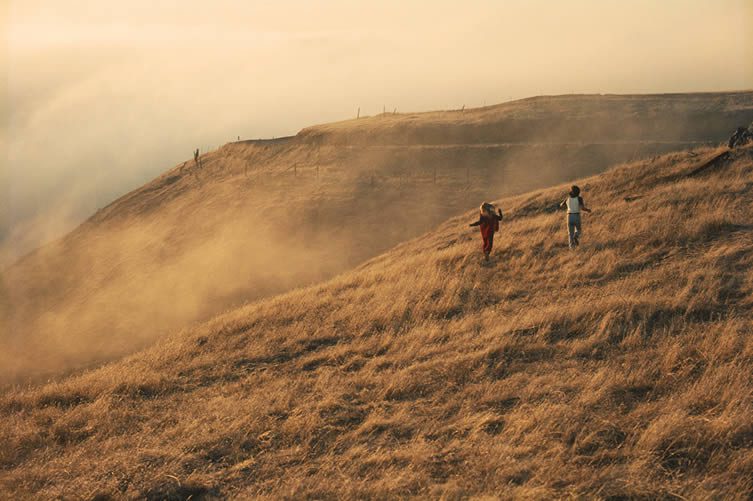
<point x="104" y="95"/>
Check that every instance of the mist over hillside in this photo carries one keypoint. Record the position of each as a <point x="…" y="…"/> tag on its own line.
<point x="103" y="96"/>
<point x="256" y="218"/>
<point x="335" y="250"/>
<point x="620" y="370"/>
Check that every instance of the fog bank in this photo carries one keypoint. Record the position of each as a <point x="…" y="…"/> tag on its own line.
<point x="103" y="96"/>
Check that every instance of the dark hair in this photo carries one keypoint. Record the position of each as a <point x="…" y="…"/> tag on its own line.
<point x="574" y="191"/>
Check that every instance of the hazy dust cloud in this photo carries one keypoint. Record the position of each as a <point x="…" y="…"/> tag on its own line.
<point x="101" y="96"/>
<point x="258" y="218"/>
<point x="195" y="243"/>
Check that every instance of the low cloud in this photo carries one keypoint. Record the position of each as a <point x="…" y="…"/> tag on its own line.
<point x="102" y="97"/>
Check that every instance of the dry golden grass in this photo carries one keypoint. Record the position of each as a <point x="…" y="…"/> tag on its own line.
<point x="594" y="118"/>
<point x="257" y="220"/>
<point x="620" y="370"/>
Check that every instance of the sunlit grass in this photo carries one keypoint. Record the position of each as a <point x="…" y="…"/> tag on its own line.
<point x="622" y="369"/>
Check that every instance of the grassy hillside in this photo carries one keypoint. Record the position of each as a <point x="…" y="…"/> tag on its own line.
<point x="595" y="119"/>
<point x="264" y="217"/>
<point x="622" y="369"/>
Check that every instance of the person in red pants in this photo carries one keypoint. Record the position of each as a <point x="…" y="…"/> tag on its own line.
<point x="489" y="222"/>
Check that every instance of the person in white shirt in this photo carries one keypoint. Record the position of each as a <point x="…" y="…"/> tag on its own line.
<point x="574" y="204"/>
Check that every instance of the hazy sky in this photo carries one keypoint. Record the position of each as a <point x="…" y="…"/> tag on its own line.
<point x="103" y="95"/>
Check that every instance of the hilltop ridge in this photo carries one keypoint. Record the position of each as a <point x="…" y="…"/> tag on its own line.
<point x="573" y="118"/>
<point x="646" y="120"/>
<point x="620" y="370"/>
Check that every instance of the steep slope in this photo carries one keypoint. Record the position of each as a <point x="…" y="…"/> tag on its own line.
<point x="622" y="369"/>
<point x="262" y="217"/>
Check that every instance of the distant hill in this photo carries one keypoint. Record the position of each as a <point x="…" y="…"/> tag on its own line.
<point x="620" y="370"/>
<point x="266" y="216"/>
<point x="593" y="119"/>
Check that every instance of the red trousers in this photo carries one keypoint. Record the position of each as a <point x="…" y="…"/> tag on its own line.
<point x="487" y="234"/>
<point x="488" y="242"/>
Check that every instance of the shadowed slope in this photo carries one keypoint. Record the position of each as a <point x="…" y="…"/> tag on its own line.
<point x="619" y="370"/>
